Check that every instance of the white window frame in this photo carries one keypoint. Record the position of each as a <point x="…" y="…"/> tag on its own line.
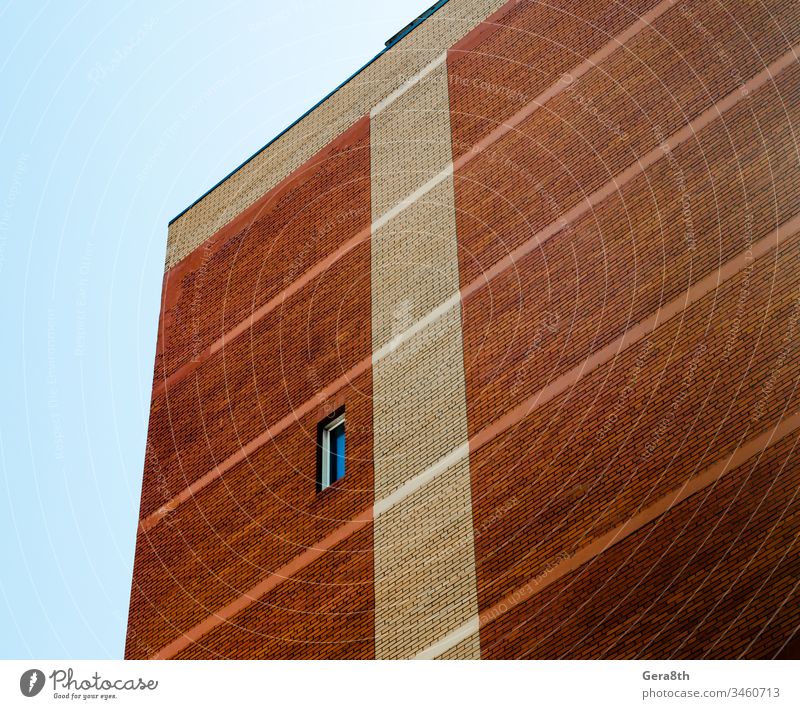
<point x="325" y="474"/>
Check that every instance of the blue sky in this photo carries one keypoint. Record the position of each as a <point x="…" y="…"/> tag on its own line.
<point x="114" y="118"/>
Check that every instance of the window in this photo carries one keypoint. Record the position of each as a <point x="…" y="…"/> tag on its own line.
<point x="330" y="449"/>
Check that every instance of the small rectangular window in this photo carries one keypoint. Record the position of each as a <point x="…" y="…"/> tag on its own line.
<point x="331" y="451"/>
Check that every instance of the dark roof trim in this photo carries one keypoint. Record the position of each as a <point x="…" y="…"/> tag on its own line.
<point x="395" y="38"/>
<point x="389" y="44"/>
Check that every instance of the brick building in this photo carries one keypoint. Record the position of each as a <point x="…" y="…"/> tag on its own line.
<point x="493" y="353"/>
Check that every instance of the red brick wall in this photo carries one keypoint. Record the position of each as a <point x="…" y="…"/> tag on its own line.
<point x="581" y="139"/>
<point x="641" y="425"/>
<point x="614" y="266"/>
<point x="251" y="259"/>
<point x="715" y="577"/>
<point x="265" y="510"/>
<point x="523" y="50"/>
<point x="256" y="518"/>
<point x="325" y="612"/>
<point x="302" y="345"/>
<point x="575" y="472"/>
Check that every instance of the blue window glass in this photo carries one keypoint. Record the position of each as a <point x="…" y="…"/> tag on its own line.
<point x="336" y="453"/>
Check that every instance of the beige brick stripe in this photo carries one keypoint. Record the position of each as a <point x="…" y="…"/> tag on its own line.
<point x="425" y="584"/>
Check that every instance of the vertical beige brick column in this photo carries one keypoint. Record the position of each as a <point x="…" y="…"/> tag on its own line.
<point x="424" y="555"/>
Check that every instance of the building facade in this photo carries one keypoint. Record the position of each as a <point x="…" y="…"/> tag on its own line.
<point x="493" y="353"/>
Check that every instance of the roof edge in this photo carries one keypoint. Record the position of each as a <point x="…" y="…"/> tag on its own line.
<point x="390" y="43"/>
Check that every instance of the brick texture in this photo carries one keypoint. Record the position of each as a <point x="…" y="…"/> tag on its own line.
<point x="633" y="430"/>
<point x="326" y="612"/>
<point x="666" y="76"/>
<point x="648" y="243"/>
<point x="714" y="577"/>
<point x="497" y="69"/>
<point x="284" y="234"/>
<point x="256" y="518"/>
<point x="265" y="510"/>
<point x="637" y="427"/>
<point x="286" y="357"/>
